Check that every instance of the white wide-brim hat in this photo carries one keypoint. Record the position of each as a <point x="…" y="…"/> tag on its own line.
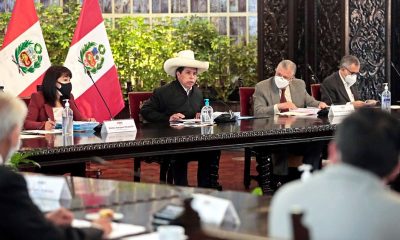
<point x="184" y="58"/>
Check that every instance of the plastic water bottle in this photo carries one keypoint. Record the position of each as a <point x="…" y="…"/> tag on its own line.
<point x="67" y="120"/>
<point x="206" y="113"/>
<point x="386" y="99"/>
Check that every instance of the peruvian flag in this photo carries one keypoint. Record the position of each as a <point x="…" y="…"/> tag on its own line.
<point x="23" y="56"/>
<point x="90" y="57"/>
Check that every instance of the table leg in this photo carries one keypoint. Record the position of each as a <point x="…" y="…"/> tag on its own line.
<point x="264" y="169"/>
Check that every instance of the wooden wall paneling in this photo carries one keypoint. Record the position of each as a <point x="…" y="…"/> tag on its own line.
<point x="368" y="41"/>
<point x="273" y="36"/>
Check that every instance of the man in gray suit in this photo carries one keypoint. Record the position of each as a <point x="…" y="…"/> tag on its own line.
<point x="282" y="93"/>
<point x="268" y="97"/>
<point x="348" y="199"/>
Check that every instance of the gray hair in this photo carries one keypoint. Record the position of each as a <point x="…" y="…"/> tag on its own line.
<point x="288" y="65"/>
<point x="12" y="113"/>
<point x="349" y="60"/>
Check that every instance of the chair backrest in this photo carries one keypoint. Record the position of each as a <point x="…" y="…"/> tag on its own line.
<point x="246" y="96"/>
<point x="315" y="91"/>
<point x="136" y="100"/>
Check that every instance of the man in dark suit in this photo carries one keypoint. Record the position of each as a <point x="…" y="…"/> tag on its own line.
<point x="339" y="87"/>
<point x="182" y="99"/>
<point x="20" y="217"/>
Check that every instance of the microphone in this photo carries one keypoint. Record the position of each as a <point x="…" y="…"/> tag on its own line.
<point x="313" y="75"/>
<point x="101" y="95"/>
<point x="225" y="117"/>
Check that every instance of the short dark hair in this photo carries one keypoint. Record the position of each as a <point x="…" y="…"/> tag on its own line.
<point x="370" y="139"/>
<point x="179" y="69"/>
<point x="49" y="82"/>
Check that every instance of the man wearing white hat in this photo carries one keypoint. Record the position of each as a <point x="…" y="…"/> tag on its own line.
<point x="182" y="99"/>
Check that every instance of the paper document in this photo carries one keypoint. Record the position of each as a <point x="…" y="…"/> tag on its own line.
<point x="118" y="229"/>
<point x="149" y="236"/>
<point x="41" y="132"/>
<point x="300" y="112"/>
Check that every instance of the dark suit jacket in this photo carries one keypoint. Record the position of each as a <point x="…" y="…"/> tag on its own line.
<point x="333" y="87"/>
<point x="39" y="112"/>
<point x="170" y="99"/>
<point x="21" y="219"/>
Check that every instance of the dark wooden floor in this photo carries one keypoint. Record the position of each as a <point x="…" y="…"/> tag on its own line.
<point x="230" y="171"/>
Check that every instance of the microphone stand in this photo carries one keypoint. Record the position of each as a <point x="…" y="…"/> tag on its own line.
<point x="101" y="95"/>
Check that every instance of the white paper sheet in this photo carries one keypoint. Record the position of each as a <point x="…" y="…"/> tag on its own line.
<point x="118" y="229"/>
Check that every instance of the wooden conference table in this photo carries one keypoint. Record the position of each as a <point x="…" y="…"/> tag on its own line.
<point x="139" y="201"/>
<point x="56" y="153"/>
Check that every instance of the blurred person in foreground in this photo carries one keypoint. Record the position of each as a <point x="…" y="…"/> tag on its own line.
<point x="45" y="107"/>
<point x="348" y="199"/>
<point x="21" y="218"/>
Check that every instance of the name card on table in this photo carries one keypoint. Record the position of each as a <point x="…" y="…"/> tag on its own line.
<point x="215" y="210"/>
<point x="122" y="125"/>
<point x="48" y="187"/>
<point x="340" y="110"/>
<point x="118" y="137"/>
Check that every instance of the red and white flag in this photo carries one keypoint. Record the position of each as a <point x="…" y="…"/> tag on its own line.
<point x="23" y="56"/>
<point x="90" y="52"/>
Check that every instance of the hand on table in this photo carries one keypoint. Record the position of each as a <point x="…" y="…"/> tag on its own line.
<point x="286" y="105"/>
<point x="49" y="125"/>
<point x="322" y="105"/>
<point x="176" y="117"/>
<point x="103" y="223"/>
<point x="60" y="217"/>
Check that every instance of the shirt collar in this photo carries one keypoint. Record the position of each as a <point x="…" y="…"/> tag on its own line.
<point x="186" y="90"/>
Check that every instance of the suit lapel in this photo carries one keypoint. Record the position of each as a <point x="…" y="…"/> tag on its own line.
<point x="294" y="93"/>
<point x="341" y="90"/>
<point x="355" y="92"/>
<point x="276" y="98"/>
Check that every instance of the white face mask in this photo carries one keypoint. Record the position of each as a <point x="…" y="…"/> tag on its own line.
<point x="281" y="82"/>
<point x="350" y="79"/>
<point x="11" y="152"/>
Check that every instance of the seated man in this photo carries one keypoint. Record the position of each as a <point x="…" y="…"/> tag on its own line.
<point x="279" y="94"/>
<point x="21" y="219"/>
<point x="348" y="199"/>
<point x="338" y="88"/>
<point x="182" y="99"/>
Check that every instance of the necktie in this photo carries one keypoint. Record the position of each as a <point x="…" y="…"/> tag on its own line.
<point x="283" y="99"/>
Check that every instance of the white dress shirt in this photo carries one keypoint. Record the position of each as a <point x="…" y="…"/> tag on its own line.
<point x="347" y="87"/>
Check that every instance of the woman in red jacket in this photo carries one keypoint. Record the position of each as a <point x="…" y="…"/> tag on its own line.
<point x="45" y="107"/>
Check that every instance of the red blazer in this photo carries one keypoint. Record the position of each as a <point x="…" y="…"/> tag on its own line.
<point x="39" y="112"/>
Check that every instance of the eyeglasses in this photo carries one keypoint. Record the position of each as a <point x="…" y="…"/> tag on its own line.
<point x="352" y="73"/>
